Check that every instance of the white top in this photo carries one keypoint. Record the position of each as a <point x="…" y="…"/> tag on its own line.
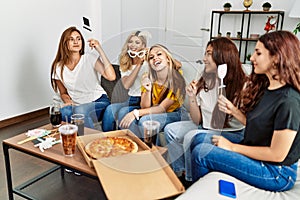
<point x="135" y="89"/>
<point x="83" y="82"/>
<point x="207" y="102"/>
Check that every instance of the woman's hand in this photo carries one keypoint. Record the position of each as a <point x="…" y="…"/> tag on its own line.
<point x="191" y="89"/>
<point x="68" y="104"/>
<point x="221" y="142"/>
<point x="93" y="43"/>
<point x="141" y="60"/>
<point x="127" y="120"/>
<point x="146" y="82"/>
<point x="225" y="105"/>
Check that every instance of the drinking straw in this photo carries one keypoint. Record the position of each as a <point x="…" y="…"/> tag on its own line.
<point x="68" y="128"/>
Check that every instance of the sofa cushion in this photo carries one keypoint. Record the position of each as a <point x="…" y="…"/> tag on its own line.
<point x="115" y="89"/>
<point x="207" y="188"/>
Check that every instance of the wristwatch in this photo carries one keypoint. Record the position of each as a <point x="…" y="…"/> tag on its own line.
<point x="136" y="114"/>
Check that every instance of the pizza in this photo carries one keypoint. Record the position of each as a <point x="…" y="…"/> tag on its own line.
<point x="110" y="146"/>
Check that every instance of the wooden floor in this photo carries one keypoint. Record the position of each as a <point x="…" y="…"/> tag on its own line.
<point x="53" y="186"/>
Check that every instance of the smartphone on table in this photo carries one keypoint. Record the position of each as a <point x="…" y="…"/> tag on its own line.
<point x="227" y="188"/>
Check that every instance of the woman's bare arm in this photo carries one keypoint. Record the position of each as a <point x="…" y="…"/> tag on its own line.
<point x="280" y="145"/>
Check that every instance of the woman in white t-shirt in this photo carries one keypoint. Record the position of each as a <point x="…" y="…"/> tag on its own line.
<point x="205" y="114"/>
<point x="76" y="76"/>
<point x="132" y="68"/>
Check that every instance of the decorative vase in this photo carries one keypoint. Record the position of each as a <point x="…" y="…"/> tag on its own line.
<point x="247" y="4"/>
<point x="226" y="9"/>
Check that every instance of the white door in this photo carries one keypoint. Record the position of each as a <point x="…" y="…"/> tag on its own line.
<point x="120" y="18"/>
<point x="186" y="26"/>
<point x="187" y="31"/>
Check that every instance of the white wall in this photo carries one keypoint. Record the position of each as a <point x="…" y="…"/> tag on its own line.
<point x="30" y="32"/>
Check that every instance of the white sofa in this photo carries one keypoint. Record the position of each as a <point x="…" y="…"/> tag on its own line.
<point x="208" y="188"/>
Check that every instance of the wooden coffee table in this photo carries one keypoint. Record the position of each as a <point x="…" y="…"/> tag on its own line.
<point x="53" y="155"/>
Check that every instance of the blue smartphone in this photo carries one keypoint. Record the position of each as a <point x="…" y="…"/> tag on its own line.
<point x="227" y="188"/>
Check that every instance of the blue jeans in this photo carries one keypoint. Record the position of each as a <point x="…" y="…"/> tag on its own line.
<point x="163" y="118"/>
<point x="93" y="111"/>
<point x="207" y="157"/>
<point x="117" y="111"/>
<point x="179" y="136"/>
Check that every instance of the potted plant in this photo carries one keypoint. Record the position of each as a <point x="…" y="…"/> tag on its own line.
<point x="227" y="6"/>
<point x="297" y="29"/>
<point x="266" y="6"/>
<point x="248" y="59"/>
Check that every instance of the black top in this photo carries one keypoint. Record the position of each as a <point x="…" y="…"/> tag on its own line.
<point x="277" y="110"/>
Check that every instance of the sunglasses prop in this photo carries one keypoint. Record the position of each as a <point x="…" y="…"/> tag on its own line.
<point x="139" y="54"/>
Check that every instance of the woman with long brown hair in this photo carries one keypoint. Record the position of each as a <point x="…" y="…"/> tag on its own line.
<point x="268" y="156"/>
<point x="75" y="75"/>
<point x="204" y="112"/>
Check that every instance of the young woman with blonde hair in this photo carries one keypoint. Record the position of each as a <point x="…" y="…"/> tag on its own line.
<point x="132" y="67"/>
<point x="163" y="92"/>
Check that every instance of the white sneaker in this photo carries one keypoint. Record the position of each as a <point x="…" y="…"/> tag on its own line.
<point x="68" y="170"/>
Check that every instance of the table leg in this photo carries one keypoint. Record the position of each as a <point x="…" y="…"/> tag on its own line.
<point x="8" y="171"/>
<point x="62" y="172"/>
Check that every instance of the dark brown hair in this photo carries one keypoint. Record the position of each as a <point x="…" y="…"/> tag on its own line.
<point x="285" y="46"/>
<point x="224" y="52"/>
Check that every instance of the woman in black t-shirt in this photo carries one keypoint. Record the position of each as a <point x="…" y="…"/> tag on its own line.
<point x="267" y="157"/>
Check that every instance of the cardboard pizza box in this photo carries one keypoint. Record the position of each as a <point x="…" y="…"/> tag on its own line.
<point x="142" y="175"/>
<point x="85" y="139"/>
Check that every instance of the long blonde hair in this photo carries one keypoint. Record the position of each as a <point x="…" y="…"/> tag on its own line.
<point x="125" y="60"/>
<point x="175" y="80"/>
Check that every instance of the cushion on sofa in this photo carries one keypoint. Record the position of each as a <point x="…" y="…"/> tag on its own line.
<point x="207" y="188"/>
<point x="115" y="89"/>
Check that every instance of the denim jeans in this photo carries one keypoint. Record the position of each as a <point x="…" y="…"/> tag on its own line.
<point x="207" y="157"/>
<point x="163" y="118"/>
<point x="174" y="134"/>
<point x="93" y="111"/>
<point x="179" y="136"/>
<point x="116" y="111"/>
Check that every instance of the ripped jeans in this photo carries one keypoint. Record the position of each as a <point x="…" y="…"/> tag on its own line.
<point x="206" y="158"/>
